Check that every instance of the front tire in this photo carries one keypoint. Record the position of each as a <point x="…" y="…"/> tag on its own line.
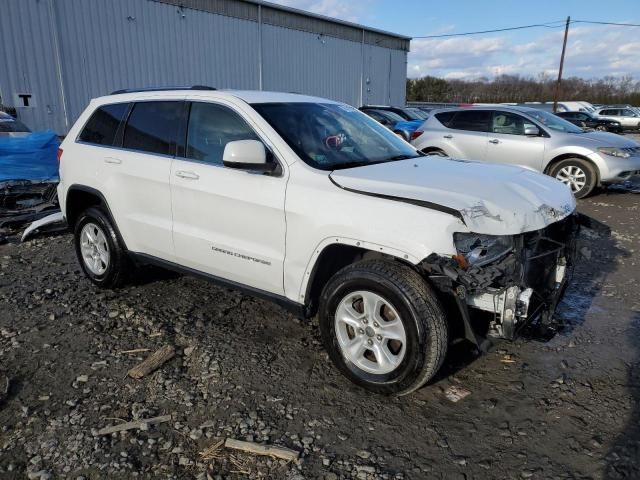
<point x="578" y="174"/>
<point x="100" y="254"/>
<point x="383" y="326"/>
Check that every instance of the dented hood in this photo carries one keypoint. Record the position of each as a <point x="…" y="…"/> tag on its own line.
<point x="488" y="198"/>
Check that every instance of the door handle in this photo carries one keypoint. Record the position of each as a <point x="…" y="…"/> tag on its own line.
<point x="495" y="141"/>
<point x="189" y="175"/>
<point x="448" y="136"/>
<point x="114" y="161"/>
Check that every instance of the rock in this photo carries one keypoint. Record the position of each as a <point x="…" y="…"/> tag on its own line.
<point x="82" y="378"/>
<point x="188" y="351"/>
<point x="363" y="454"/>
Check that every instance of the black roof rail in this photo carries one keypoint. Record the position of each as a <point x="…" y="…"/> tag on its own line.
<point x="161" y="89"/>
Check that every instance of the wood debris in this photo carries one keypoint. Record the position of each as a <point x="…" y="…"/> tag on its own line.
<point x="257" y="449"/>
<point x="135" y="350"/>
<point x="210" y="453"/>
<point x="139" y="424"/>
<point x="153" y="362"/>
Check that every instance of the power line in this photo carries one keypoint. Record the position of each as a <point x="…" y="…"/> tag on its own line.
<point x="537" y="25"/>
<point x="556" y="24"/>
<point x="607" y="23"/>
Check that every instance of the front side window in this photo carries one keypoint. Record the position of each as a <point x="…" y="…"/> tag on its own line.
<point x="508" y="123"/>
<point x="471" y="120"/>
<point x="102" y="126"/>
<point x="331" y="136"/>
<point x="153" y="127"/>
<point x="553" y="122"/>
<point x="211" y="127"/>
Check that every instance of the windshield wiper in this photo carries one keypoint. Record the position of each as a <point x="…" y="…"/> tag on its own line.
<point x="402" y="157"/>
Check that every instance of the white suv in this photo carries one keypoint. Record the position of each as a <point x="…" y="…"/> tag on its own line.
<point x="312" y="204"/>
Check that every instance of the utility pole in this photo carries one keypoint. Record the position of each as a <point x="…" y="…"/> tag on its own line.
<point x="564" y="47"/>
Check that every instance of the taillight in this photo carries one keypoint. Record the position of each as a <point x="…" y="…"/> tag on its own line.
<point x="415" y="134"/>
<point x="59" y="155"/>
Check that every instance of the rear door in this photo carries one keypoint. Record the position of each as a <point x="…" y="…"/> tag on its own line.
<point x="508" y="143"/>
<point x="227" y="222"/>
<point x="466" y="134"/>
<point x="136" y="176"/>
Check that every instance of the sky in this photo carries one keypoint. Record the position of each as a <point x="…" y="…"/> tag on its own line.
<point x="593" y="51"/>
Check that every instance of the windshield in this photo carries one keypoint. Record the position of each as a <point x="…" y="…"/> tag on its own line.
<point x="10" y="124"/>
<point x="334" y="136"/>
<point x="391" y="116"/>
<point x="418" y="113"/>
<point x="554" y="122"/>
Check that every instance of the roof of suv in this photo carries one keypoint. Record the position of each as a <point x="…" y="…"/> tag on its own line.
<point x="249" y="96"/>
<point x="500" y="108"/>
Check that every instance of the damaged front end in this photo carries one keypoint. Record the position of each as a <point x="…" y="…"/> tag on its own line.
<point x="499" y="283"/>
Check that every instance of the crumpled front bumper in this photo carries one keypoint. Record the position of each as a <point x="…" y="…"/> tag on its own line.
<point x="525" y="285"/>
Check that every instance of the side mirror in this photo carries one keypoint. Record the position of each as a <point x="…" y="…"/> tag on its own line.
<point x="531" y="131"/>
<point x="247" y="155"/>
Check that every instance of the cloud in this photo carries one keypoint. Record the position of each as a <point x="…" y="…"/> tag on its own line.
<point x="592" y="51"/>
<point x="351" y="11"/>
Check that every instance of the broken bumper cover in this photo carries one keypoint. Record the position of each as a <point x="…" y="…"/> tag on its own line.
<point x="524" y="285"/>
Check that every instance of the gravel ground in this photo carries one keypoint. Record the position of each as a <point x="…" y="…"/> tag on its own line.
<point x="561" y="402"/>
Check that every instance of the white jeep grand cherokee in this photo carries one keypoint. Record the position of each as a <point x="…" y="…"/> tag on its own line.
<point x="312" y="204"/>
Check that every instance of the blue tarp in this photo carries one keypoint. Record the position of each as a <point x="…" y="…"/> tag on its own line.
<point x="32" y="157"/>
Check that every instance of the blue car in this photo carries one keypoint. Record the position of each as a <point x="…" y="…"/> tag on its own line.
<point x="407" y="129"/>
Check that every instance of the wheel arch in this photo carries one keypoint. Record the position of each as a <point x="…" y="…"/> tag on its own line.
<point x="333" y="257"/>
<point x="81" y="197"/>
<point x="428" y="150"/>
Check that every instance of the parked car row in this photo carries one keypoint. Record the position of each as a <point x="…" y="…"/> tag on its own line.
<point x="532" y="138"/>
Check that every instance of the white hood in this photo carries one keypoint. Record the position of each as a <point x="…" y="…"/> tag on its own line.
<point x="491" y="199"/>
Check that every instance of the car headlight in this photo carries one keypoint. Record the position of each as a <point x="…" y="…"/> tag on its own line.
<point x="614" y="152"/>
<point x="476" y="250"/>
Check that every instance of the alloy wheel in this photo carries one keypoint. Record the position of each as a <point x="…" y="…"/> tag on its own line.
<point x="94" y="248"/>
<point x="573" y="176"/>
<point x="370" y="333"/>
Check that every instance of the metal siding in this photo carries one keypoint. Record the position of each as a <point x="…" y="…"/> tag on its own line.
<point x="377" y="79"/>
<point x="29" y="63"/>
<point x="302" y="62"/>
<point x="398" y="86"/>
<point x="135" y="43"/>
<point x="108" y="45"/>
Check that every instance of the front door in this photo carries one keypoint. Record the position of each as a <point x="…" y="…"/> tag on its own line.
<point x="227" y="222"/>
<point x="508" y="143"/>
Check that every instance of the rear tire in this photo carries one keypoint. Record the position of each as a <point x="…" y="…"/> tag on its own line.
<point x="100" y="254"/>
<point x="578" y="174"/>
<point x="383" y="326"/>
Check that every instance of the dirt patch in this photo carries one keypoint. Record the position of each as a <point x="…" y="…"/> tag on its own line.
<point x="560" y="402"/>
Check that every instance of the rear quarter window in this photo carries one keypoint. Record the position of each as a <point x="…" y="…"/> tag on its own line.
<point x="445" y="117"/>
<point x="102" y="126"/>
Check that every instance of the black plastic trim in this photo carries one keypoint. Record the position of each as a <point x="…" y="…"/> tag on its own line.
<point x="161" y="89"/>
<point x="293" y="307"/>
<point x="419" y="203"/>
<point x="97" y="193"/>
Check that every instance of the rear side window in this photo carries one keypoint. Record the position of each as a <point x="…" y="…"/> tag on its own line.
<point x="445" y="117"/>
<point x="153" y="127"/>
<point x="102" y="126"/>
<point x="211" y="127"/>
<point x="471" y="120"/>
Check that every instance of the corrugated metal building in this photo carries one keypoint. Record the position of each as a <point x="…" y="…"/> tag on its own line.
<point x="57" y="54"/>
